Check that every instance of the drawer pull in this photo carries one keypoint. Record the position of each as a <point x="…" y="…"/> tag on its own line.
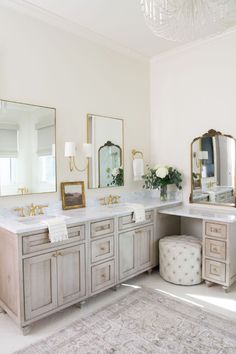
<point x="103" y="275"/>
<point x="54" y="255"/>
<point x="215" y="270"/>
<point x="102" y="228"/>
<point x="214" y="229"/>
<point x="215" y="249"/>
<point x="102" y="248"/>
<point x="60" y="253"/>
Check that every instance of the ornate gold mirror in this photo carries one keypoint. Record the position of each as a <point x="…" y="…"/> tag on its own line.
<point x="106" y="167"/>
<point x="213" y="169"/>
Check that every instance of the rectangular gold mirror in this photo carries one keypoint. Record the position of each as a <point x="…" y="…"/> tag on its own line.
<point x="213" y="169"/>
<point x="27" y="149"/>
<point x="106" y="135"/>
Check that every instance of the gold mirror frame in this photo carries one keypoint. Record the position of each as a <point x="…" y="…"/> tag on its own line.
<point x="55" y="123"/>
<point x="89" y="115"/>
<point x="211" y="133"/>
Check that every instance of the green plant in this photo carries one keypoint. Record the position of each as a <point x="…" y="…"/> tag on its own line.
<point x="117" y="177"/>
<point x="160" y="176"/>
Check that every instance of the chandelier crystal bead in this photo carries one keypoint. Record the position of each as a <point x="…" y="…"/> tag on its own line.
<point x="186" y="20"/>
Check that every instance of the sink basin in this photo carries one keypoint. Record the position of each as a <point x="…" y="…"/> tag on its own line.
<point x="31" y="220"/>
<point x="119" y="207"/>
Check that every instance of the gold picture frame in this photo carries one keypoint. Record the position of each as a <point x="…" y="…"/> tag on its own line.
<point x="72" y="195"/>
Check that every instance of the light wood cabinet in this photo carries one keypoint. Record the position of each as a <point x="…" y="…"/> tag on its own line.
<point x="219" y="244"/>
<point x="71" y="274"/>
<point x="39" y="278"/>
<point x="40" y="284"/>
<point x="53" y="279"/>
<point x="135" y="251"/>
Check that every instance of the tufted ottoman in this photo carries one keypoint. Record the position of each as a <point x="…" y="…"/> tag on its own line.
<point x="180" y="259"/>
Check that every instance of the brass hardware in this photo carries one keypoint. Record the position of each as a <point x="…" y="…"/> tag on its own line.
<point x="136" y="152"/>
<point x="73" y="166"/>
<point x="60" y="253"/>
<point x="102" y="248"/>
<point x="54" y="255"/>
<point x="111" y="199"/>
<point x="32" y="209"/>
<point x="23" y="190"/>
<point x="40" y="208"/>
<point x="103" y="275"/>
<point x="20" y="211"/>
<point x="214" y="229"/>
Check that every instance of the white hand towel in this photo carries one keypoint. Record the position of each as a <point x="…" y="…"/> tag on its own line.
<point x="138" y="213"/>
<point x="138" y="169"/>
<point x="57" y="229"/>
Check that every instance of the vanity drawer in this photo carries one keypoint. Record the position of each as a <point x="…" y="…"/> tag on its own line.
<point x="126" y="222"/>
<point x="100" y="228"/>
<point x="103" y="276"/>
<point x="215" y="270"/>
<point x="216" y="230"/>
<point x="40" y="241"/>
<point x="102" y="249"/>
<point x="215" y="249"/>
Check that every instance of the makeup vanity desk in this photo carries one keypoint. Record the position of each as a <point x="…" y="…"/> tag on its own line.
<point x="217" y="228"/>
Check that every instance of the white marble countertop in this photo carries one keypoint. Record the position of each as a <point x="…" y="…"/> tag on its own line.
<point x="21" y="225"/>
<point x="202" y="213"/>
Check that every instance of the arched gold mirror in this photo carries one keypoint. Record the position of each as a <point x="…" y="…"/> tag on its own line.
<point x="213" y="169"/>
<point x="110" y="159"/>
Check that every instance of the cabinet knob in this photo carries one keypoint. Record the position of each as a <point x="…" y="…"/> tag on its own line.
<point x="54" y="255"/>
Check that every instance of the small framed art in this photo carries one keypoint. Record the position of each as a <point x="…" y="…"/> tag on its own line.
<point x="72" y="194"/>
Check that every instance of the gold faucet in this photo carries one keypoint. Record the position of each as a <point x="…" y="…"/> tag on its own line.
<point x="32" y="209"/>
<point x="40" y="208"/>
<point x="20" y="211"/>
<point x="111" y="199"/>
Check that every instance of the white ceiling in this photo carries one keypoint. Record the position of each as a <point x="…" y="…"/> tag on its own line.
<point x="115" y="22"/>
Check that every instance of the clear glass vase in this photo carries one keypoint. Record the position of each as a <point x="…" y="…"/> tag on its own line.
<point x="163" y="193"/>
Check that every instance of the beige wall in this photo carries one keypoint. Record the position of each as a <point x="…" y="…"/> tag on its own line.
<point x="43" y="65"/>
<point x="192" y="91"/>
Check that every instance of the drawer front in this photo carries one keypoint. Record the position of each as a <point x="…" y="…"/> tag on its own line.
<point x="215" y="249"/>
<point x="216" y="230"/>
<point x="102" y="249"/>
<point x="215" y="270"/>
<point x="40" y="242"/>
<point x="103" y="276"/>
<point x="126" y="222"/>
<point x="100" y="228"/>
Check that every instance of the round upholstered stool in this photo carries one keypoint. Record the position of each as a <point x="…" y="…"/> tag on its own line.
<point x="180" y="259"/>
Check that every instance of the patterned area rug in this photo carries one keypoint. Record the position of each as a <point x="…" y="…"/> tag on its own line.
<point x="145" y="321"/>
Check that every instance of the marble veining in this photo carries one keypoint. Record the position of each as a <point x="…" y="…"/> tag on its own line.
<point x="202" y="213"/>
<point x="12" y="223"/>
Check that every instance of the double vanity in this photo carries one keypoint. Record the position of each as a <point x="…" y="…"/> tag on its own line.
<point x="105" y="248"/>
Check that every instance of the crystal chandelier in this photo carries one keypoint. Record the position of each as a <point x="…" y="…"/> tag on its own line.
<point x="186" y="20"/>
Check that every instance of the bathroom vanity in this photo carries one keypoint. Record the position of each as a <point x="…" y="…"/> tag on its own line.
<point x="105" y="248"/>
<point x="217" y="228"/>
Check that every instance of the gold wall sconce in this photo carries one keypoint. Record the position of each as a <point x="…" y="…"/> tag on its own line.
<point x="138" y="165"/>
<point x="70" y="152"/>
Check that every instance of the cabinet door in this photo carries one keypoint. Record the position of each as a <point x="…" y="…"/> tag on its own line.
<point x="145" y="247"/>
<point x="71" y="274"/>
<point x="127" y="259"/>
<point x="40" y="284"/>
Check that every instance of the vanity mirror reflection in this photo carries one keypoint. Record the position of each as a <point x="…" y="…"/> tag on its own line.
<point x="106" y="135"/>
<point x="27" y="149"/>
<point x="213" y="169"/>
